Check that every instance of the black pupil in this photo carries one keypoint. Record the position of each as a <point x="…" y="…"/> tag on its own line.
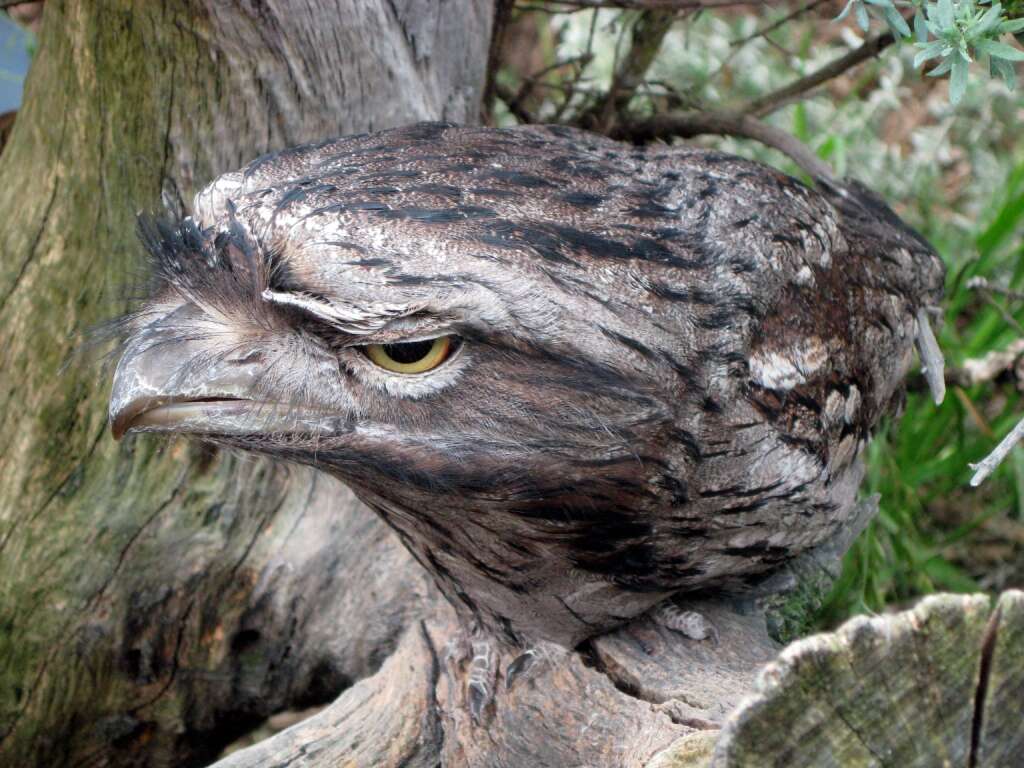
<point x="410" y="351"/>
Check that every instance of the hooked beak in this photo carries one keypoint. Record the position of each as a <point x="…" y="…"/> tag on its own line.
<point x="165" y="384"/>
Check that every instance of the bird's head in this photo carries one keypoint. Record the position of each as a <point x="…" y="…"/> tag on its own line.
<point x="453" y="327"/>
<point x="375" y="347"/>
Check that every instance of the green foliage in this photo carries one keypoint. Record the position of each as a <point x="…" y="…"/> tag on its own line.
<point x="863" y="10"/>
<point x="956" y="32"/>
<point x="964" y="32"/>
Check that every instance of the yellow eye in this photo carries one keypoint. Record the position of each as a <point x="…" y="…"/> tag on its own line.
<point x="411" y="356"/>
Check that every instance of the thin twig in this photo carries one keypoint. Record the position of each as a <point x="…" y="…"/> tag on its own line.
<point x="582" y="60"/>
<point x="575" y="82"/>
<point x="981" y="283"/>
<point x="766" y="30"/>
<point x="689" y="124"/>
<point x="780" y="48"/>
<point x="737" y="45"/>
<point x="932" y="364"/>
<point x="514" y="103"/>
<point x="987" y="466"/>
<point x="502" y="16"/>
<point x="648" y="32"/>
<point x="764" y="105"/>
<point x="1010" y="320"/>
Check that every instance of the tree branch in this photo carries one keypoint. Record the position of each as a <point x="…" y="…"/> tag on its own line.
<point x="987" y="466"/>
<point x="514" y="102"/>
<point x="502" y="15"/>
<point x="810" y="6"/>
<point x="647" y="34"/>
<point x="981" y="283"/>
<point x="764" y="105"/>
<point x="988" y="367"/>
<point x="688" y="124"/>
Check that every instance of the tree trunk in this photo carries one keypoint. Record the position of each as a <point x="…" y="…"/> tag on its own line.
<point x="156" y="601"/>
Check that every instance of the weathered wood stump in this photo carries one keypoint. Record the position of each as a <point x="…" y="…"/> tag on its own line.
<point x="941" y="684"/>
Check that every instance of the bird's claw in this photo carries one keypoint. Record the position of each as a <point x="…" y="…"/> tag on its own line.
<point x="472" y="668"/>
<point x="480" y="686"/>
<point x="520" y="666"/>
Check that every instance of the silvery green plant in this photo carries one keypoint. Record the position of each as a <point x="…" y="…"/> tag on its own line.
<point x="885" y="10"/>
<point x="964" y="32"/>
<point x="956" y="32"/>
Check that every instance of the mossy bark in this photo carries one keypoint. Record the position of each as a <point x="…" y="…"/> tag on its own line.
<point x="156" y="600"/>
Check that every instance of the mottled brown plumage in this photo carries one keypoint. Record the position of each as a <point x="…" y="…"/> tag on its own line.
<point x="668" y="360"/>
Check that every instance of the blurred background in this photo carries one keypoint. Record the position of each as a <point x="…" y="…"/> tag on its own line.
<point x="15" y="55"/>
<point x="15" y="45"/>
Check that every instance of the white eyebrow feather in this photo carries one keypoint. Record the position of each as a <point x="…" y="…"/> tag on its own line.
<point x="357" y="320"/>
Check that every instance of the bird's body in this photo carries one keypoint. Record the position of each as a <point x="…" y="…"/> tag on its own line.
<point x="663" y="363"/>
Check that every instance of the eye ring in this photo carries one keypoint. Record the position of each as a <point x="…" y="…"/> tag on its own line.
<point x="411" y="357"/>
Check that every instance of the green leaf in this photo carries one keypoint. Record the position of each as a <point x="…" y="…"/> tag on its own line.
<point x="1005" y="70"/>
<point x="1014" y="25"/>
<point x="944" y="14"/>
<point x="846" y="11"/>
<point x="800" y="127"/>
<point x="958" y="80"/>
<point x="896" y="22"/>
<point x="920" y="28"/>
<point x="948" y="576"/>
<point x="1008" y="221"/>
<point x="1017" y="464"/>
<point x="930" y="50"/>
<point x="863" y="21"/>
<point x="1000" y="50"/>
<point x="834" y="149"/>
<point x="989" y="21"/>
<point x="944" y="66"/>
